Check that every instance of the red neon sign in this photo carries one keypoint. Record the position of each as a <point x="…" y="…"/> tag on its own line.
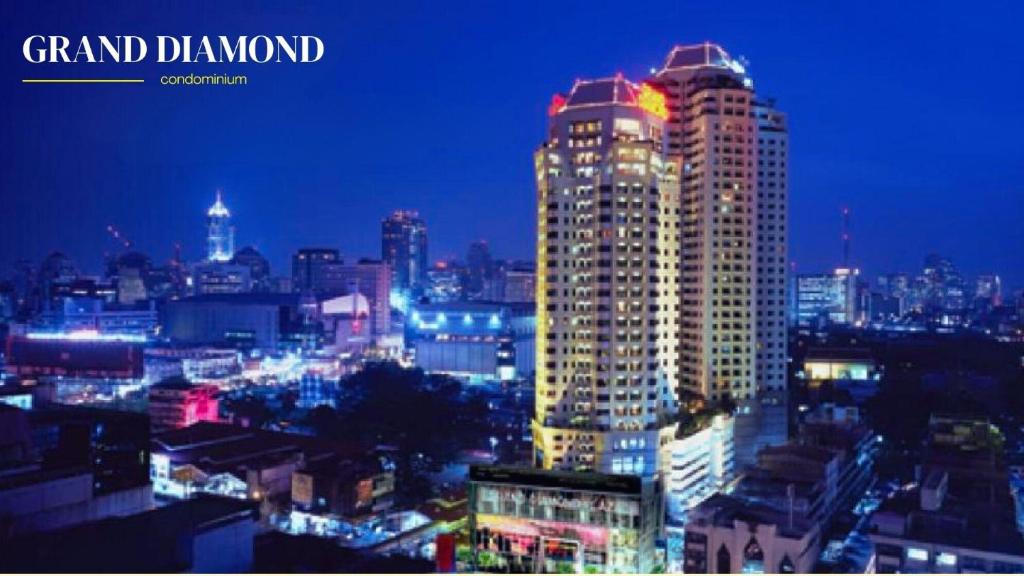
<point x="557" y="103"/>
<point x="652" y="101"/>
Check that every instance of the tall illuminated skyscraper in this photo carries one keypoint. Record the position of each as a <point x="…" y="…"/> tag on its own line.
<point x="607" y="281"/>
<point x="404" y="249"/>
<point x="732" y="149"/>
<point x="220" y="234"/>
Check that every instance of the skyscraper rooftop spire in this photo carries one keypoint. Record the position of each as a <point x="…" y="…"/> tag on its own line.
<point x="220" y="235"/>
<point x="218" y="209"/>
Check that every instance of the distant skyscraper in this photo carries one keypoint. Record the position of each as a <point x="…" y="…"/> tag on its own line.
<point x="988" y="288"/>
<point x="893" y="285"/>
<point x="314" y="269"/>
<point x="259" y="267"/>
<point x="322" y="272"/>
<point x="480" y="267"/>
<point x="131" y="272"/>
<point x="55" y="270"/>
<point x="220" y="234"/>
<point x="404" y="248"/>
<point x="827" y="298"/>
<point x="943" y="284"/>
<point x="518" y="285"/>
<point x="607" y="281"/>
<point x="445" y="281"/>
<point x="733" y="150"/>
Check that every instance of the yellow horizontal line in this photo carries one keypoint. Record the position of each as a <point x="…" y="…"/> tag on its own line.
<point x="80" y="81"/>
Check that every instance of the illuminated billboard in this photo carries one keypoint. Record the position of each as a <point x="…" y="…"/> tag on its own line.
<point x="653" y="101"/>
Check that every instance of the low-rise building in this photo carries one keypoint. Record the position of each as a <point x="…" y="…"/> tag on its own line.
<point x="343" y="487"/>
<point x="960" y="516"/>
<point x="702" y="464"/>
<point x="204" y="535"/>
<point x="730" y="535"/>
<point x="822" y="472"/>
<point x="66" y="465"/>
<point x="177" y="403"/>
<point x="926" y="530"/>
<point x="77" y="363"/>
<point x="531" y="520"/>
<point x="474" y="340"/>
<point x="239" y="462"/>
<point x="264" y="321"/>
<point x="195" y="364"/>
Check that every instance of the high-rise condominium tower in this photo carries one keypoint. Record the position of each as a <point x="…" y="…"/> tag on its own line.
<point x="220" y="234"/>
<point x="607" y="281"/>
<point x="732" y="149"/>
<point x="404" y="249"/>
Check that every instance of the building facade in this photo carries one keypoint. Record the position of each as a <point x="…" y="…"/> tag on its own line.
<point x="702" y="464"/>
<point x="404" y="249"/>
<point x="480" y="341"/>
<point x="176" y="403"/>
<point x="524" y="520"/>
<point x="313" y="270"/>
<point x="731" y="147"/>
<point x="372" y="279"/>
<point x="827" y="298"/>
<point x="727" y="535"/>
<point x="607" y="281"/>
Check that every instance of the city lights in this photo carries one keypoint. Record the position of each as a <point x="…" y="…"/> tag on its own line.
<point x="472" y="301"/>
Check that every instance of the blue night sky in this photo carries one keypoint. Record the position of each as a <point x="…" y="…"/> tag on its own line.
<point x="908" y="112"/>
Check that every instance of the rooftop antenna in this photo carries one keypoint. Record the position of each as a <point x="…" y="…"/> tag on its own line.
<point x="846" y="237"/>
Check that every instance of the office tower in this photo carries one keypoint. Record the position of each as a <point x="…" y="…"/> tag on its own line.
<point x="311" y="268"/>
<point x="480" y="267"/>
<point x="404" y="248"/>
<point x="823" y="299"/>
<point x="732" y="149"/>
<point x="444" y="281"/>
<point x="259" y="267"/>
<point x="943" y="284"/>
<point x="220" y="234"/>
<point x="607" y="275"/>
<point x="57" y="269"/>
<point x="130" y="272"/>
<point x="988" y="288"/>
<point x="894" y="285"/>
<point x="517" y="285"/>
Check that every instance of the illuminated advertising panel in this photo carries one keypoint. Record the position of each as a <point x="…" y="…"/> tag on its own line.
<point x="652" y="101"/>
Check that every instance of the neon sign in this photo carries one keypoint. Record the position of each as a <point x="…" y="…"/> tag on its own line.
<point x="557" y="104"/>
<point x="652" y="101"/>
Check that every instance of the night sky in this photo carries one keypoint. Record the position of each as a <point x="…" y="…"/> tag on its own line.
<point x="909" y="113"/>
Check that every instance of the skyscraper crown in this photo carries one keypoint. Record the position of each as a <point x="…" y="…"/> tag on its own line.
<point x="702" y="55"/>
<point x="218" y="210"/>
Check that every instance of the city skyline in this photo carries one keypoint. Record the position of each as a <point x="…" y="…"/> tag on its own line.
<point x="658" y="288"/>
<point x="325" y="187"/>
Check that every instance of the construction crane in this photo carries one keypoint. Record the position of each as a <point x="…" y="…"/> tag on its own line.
<point x="118" y="237"/>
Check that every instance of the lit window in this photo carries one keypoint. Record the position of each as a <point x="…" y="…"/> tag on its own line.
<point x="945" y="559"/>
<point x="917" y="554"/>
